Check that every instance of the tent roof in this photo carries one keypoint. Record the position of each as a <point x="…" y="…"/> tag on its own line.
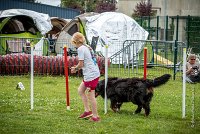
<point x="58" y="24"/>
<point x="16" y="24"/>
<point x="41" y="20"/>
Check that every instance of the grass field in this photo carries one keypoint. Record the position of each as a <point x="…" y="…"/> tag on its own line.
<point x="51" y="116"/>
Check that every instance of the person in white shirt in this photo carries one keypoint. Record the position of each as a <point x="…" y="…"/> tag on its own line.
<point x="91" y="74"/>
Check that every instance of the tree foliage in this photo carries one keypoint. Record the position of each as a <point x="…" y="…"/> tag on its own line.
<point x="105" y="6"/>
<point x="75" y="4"/>
<point x="143" y="9"/>
<point x="90" y="5"/>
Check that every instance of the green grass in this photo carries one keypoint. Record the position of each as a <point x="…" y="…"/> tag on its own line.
<point x="51" y="116"/>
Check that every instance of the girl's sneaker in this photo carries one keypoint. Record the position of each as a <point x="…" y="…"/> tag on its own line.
<point x="86" y="115"/>
<point x="95" y="119"/>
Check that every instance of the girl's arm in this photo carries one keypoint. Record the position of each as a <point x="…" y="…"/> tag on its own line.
<point x="77" y="67"/>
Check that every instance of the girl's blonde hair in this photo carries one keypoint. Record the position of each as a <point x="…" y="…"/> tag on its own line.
<point x="78" y="38"/>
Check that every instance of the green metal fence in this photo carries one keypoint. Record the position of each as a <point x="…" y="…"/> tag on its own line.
<point x="168" y="28"/>
<point x="10" y="45"/>
<point x="163" y="57"/>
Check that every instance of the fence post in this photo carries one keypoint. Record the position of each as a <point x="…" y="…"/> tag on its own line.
<point x="166" y="30"/>
<point x="175" y="57"/>
<point x="177" y="21"/>
<point x="157" y="30"/>
<point x="133" y="57"/>
<point x="166" y="36"/>
<point x="141" y="21"/>
<point x="157" y="36"/>
<point x="149" y="27"/>
<point x="188" y="32"/>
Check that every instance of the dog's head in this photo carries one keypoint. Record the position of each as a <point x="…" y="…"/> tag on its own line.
<point x="100" y="88"/>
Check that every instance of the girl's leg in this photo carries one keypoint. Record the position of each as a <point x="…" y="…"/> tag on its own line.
<point x="81" y="91"/>
<point x="93" y="103"/>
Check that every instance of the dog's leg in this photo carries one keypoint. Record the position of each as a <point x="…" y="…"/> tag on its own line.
<point x="147" y="109"/>
<point x="138" y="100"/>
<point x="139" y="109"/>
<point x="118" y="106"/>
<point x="147" y="100"/>
<point x="113" y="104"/>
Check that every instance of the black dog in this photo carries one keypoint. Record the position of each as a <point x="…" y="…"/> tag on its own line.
<point x="135" y="90"/>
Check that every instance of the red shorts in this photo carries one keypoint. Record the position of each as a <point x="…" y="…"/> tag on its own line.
<point x="91" y="84"/>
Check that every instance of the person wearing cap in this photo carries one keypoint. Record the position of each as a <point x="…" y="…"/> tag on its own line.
<point x="91" y="75"/>
<point x="192" y="69"/>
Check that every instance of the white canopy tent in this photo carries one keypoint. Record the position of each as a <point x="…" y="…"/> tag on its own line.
<point x="114" y="28"/>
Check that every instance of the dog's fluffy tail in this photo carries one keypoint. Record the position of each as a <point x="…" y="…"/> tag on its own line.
<point x="160" y="80"/>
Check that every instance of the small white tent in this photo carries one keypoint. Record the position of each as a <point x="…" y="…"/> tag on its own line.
<point x="115" y="28"/>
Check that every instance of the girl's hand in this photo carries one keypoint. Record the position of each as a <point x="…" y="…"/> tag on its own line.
<point x="73" y="70"/>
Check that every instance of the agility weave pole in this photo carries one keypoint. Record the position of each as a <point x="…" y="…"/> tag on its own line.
<point x="145" y="63"/>
<point x="38" y="50"/>
<point x="106" y="78"/>
<point x="66" y="77"/>
<point x="32" y="70"/>
<point x="104" y="42"/>
<point x="193" y="107"/>
<point x="184" y="83"/>
<point x="184" y="92"/>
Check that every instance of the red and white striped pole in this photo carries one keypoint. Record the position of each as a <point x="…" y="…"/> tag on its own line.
<point x="145" y="63"/>
<point x="66" y="77"/>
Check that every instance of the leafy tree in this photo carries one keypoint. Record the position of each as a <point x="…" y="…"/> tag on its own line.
<point x="143" y="9"/>
<point x="75" y="4"/>
<point x="91" y="5"/>
<point x="105" y="6"/>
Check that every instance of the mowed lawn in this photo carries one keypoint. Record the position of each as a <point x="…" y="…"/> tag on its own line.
<point x="50" y="115"/>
